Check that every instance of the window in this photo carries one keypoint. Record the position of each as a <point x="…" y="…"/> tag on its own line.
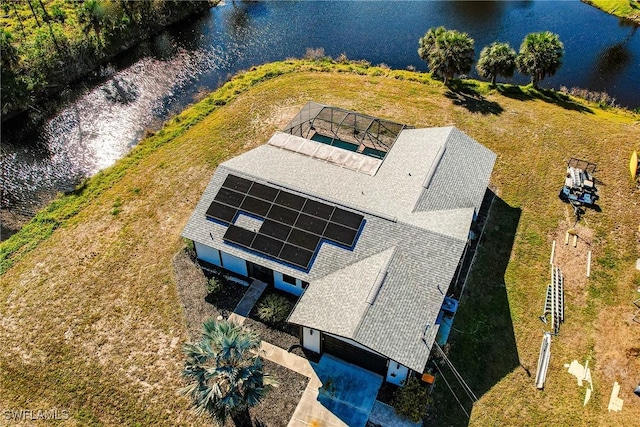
<point x="288" y="279"/>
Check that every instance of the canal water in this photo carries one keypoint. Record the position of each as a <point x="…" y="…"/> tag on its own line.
<point x="103" y="120"/>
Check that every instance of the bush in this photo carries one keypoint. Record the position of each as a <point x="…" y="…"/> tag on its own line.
<point x="412" y="400"/>
<point x="274" y="308"/>
<point x="315" y="54"/>
<point x="601" y="98"/>
<point x="215" y="285"/>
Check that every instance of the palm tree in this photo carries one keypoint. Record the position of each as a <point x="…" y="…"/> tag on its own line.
<point x="225" y="373"/>
<point x="497" y="59"/>
<point x="428" y="42"/>
<point x="447" y="52"/>
<point x="540" y="56"/>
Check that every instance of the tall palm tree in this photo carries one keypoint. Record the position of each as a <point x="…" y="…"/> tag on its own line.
<point x="447" y="52"/>
<point x="497" y="59"/>
<point x="427" y="43"/>
<point x="540" y="56"/>
<point x="225" y="373"/>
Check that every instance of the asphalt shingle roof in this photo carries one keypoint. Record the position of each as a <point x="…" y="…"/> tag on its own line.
<point x="416" y="234"/>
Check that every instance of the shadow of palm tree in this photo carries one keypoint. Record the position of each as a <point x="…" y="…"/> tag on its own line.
<point x="527" y="93"/>
<point x="465" y="94"/>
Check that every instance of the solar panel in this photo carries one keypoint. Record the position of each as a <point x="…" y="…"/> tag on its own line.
<point x="318" y="209"/>
<point x="311" y="224"/>
<point x="339" y="234"/>
<point x="218" y="211"/>
<point x="296" y="256"/>
<point x="255" y="206"/>
<point x="236" y="183"/>
<point x="346" y="218"/>
<point x="263" y="191"/>
<point x="229" y="197"/>
<point x="290" y="200"/>
<point x="239" y="236"/>
<point x="283" y="215"/>
<point x="293" y="226"/>
<point x="303" y="239"/>
<point x="275" y="229"/>
<point x="267" y="245"/>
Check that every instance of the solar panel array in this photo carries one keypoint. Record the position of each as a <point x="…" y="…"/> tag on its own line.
<point x="293" y="225"/>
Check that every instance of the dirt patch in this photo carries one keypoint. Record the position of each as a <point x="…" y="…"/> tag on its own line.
<point x="200" y="305"/>
<point x="280" y="404"/>
<point x="191" y="284"/>
<point x="573" y="260"/>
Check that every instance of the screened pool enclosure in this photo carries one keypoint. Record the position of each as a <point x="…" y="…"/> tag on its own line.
<point x="345" y="129"/>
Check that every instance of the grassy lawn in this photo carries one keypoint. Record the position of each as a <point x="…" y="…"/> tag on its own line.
<point x="629" y="9"/>
<point x="92" y="321"/>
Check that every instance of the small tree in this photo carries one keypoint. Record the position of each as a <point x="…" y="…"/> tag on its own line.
<point x="412" y="400"/>
<point x="497" y="59"/>
<point x="225" y="373"/>
<point x="447" y="52"/>
<point x="540" y="56"/>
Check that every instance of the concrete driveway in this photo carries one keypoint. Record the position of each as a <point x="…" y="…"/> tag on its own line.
<point x="339" y="394"/>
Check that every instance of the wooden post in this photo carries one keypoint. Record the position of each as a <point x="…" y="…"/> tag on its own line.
<point x="566" y="238"/>
<point x="588" y="263"/>
<point x="575" y="240"/>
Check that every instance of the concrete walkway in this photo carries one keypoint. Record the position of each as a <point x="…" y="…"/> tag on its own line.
<point x="249" y="299"/>
<point x="290" y="361"/>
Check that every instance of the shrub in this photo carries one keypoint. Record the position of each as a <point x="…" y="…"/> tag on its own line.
<point x="317" y="53"/>
<point x="274" y="308"/>
<point x="215" y="285"/>
<point x="412" y="400"/>
<point x="342" y="59"/>
<point x="601" y="98"/>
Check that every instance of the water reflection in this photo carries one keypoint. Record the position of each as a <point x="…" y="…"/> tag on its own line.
<point x="120" y="91"/>
<point x="613" y="59"/>
<point x="485" y="13"/>
<point x="105" y="118"/>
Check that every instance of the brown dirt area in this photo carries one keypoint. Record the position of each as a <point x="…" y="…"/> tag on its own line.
<point x="573" y="260"/>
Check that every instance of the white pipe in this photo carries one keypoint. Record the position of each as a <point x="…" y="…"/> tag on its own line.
<point x="588" y="263"/>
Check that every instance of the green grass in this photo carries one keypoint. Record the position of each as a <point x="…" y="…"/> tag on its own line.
<point x="629" y="9"/>
<point x="91" y="321"/>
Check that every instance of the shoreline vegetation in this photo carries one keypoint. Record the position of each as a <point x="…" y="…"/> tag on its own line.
<point x="627" y="9"/>
<point x="93" y="323"/>
<point x="48" y="44"/>
<point x="468" y="92"/>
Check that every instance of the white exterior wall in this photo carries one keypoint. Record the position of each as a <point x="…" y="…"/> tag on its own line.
<point x="396" y="373"/>
<point x="279" y="283"/>
<point x="208" y="254"/>
<point x="235" y="264"/>
<point x="311" y="339"/>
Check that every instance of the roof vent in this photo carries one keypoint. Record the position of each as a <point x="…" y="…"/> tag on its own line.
<point x="375" y="289"/>
<point x="434" y="166"/>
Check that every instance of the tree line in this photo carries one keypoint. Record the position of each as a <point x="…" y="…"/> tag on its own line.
<point x="46" y="44"/>
<point x="451" y="52"/>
